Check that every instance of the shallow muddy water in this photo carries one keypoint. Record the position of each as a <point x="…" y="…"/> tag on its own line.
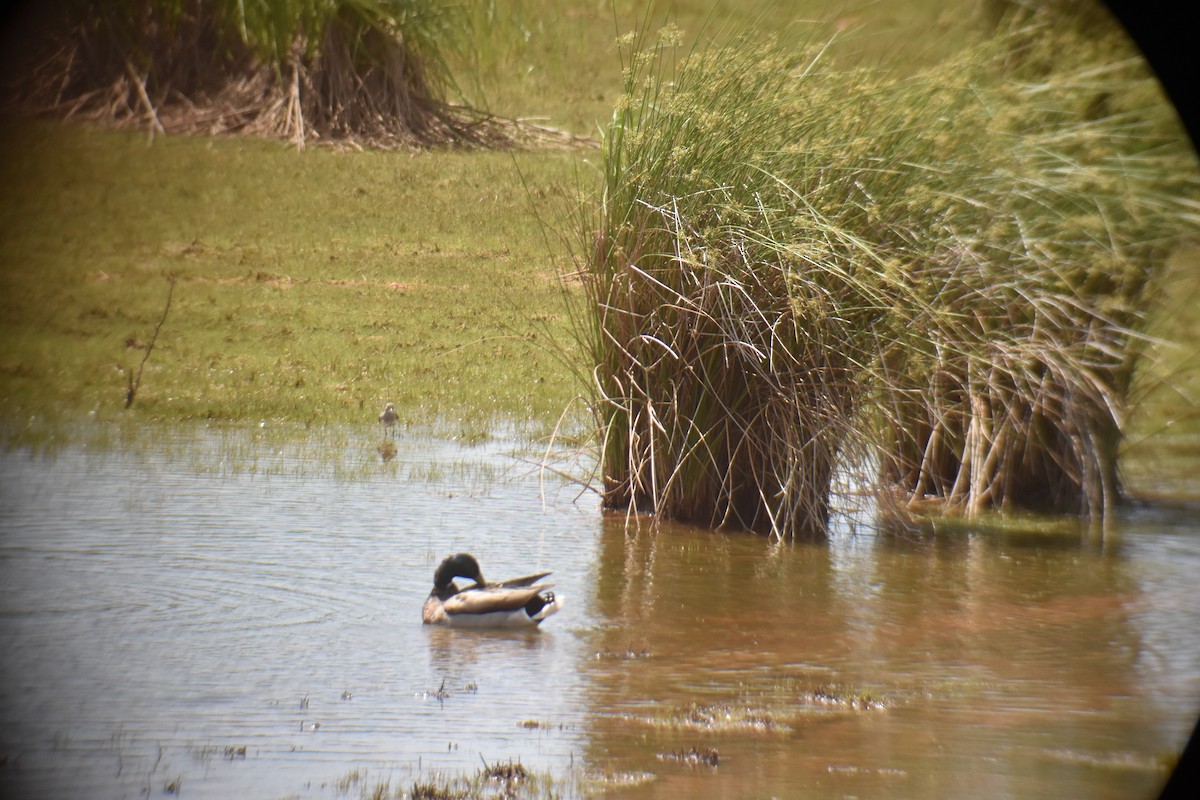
<point x="230" y="615"/>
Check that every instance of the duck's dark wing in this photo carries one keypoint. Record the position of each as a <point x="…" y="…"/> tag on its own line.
<point x="518" y="583"/>
<point x="491" y="599"/>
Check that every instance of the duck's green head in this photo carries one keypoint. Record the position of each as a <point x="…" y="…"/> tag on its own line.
<point x="461" y="565"/>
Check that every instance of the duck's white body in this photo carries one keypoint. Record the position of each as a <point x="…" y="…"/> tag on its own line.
<point x="492" y="608"/>
<point x="516" y="603"/>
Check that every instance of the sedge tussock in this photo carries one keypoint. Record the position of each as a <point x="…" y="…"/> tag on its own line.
<point x="374" y="72"/>
<point x="788" y="265"/>
<point x="1054" y="218"/>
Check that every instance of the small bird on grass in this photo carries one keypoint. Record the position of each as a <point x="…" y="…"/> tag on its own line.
<point x="388" y="418"/>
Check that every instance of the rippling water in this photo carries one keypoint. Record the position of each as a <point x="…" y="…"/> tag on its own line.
<point x="156" y="614"/>
<point x="179" y="619"/>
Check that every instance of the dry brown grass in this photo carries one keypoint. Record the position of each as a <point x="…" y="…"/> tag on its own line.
<point x="354" y="77"/>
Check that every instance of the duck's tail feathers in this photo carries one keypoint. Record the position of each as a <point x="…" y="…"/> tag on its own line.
<point x="553" y="605"/>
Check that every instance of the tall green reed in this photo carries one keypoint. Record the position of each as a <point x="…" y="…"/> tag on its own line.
<point x="1058" y="196"/>
<point x="788" y="265"/>
<point x="735" y="300"/>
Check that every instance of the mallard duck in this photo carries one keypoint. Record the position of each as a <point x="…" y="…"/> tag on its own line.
<point x="515" y="603"/>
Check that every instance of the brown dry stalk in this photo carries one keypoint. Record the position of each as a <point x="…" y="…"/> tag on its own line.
<point x="135" y="382"/>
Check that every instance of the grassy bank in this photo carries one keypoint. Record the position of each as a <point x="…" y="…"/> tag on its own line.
<point x="312" y="286"/>
<point x="1161" y="453"/>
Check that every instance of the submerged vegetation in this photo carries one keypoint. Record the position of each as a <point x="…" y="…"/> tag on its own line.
<point x="948" y="273"/>
<point x="508" y="780"/>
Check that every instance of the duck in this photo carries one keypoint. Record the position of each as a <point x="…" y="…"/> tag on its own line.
<point x="514" y="603"/>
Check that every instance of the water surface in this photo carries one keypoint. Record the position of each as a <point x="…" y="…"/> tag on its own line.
<point x="230" y="614"/>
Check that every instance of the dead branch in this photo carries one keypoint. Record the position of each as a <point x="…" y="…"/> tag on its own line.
<point x="135" y="381"/>
<point x="155" y="125"/>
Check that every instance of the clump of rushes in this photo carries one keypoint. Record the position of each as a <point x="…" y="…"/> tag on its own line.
<point x="373" y="71"/>
<point x="1060" y="191"/>
<point x="733" y="298"/>
<point x="791" y="267"/>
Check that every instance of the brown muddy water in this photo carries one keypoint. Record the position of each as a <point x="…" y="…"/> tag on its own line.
<point x="177" y="620"/>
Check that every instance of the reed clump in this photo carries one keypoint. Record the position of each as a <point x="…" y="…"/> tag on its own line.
<point x="372" y="72"/>
<point x="792" y="266"/>
<point x="733" y="299"/>
<point x="1062" y="189"/>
